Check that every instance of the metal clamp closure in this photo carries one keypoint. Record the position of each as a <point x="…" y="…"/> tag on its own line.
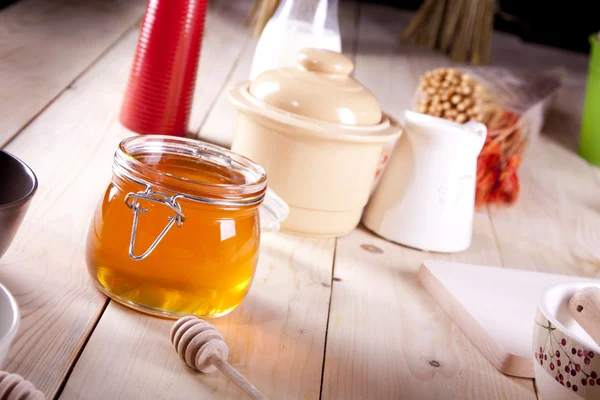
<point x="132" y="201"/>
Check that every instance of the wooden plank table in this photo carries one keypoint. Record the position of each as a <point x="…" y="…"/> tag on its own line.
<point x="325" y="318"/>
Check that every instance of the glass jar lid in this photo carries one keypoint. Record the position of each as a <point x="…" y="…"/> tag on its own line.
<point x="169" y="170"/>
<point x="168" y="163"/>
<point x="319" y="88"/>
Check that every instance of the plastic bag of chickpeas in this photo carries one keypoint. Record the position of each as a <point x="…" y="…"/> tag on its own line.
<point x="512" y="104"/>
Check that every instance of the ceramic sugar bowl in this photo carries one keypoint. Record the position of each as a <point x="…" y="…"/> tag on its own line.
<point x="320" y="136"/>
<point x="566" y="359"/>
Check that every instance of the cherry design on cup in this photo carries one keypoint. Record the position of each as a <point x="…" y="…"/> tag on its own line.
<point x="564" y="359"/>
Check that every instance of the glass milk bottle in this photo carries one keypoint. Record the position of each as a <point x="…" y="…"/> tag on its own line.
<point x="295" y="25"/>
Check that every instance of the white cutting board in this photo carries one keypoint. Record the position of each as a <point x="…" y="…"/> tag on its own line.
<point x="495" y="307"/>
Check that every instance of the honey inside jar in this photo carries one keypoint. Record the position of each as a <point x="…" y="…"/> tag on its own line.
<point x="203" y="266"/>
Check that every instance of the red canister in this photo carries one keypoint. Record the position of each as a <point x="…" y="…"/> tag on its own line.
<point x="161" y="85"/>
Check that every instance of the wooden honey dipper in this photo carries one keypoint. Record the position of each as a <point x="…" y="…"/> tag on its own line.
<point x="202" y="348"/>
<point x="14" y="387"/>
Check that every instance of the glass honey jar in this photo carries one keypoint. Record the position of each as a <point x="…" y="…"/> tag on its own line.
<point x="177" y="231"/>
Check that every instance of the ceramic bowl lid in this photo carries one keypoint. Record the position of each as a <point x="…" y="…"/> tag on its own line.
<point x="319" y="88"/>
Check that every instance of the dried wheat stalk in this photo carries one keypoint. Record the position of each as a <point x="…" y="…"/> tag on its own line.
<point x="461" y="28"/>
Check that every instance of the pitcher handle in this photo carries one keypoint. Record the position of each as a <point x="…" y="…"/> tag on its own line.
<point x="273" y="211"/>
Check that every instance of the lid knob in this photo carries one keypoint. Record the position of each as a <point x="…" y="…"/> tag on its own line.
<point x="325" y="61"/>
<point x="319" y="88"/>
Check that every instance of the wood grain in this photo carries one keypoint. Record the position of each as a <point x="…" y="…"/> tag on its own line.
<point x="558" y="237"/>
<point x="494" y="307"/>
<point x="70" y="147"/>
<point x="46" y="44"/>
<point x="220" y="124"/>
<point x="553" y="226"/>
<point x="276" y="337"/>
<point x="501" y="358"/>
<point x="225" y="36"/>
<point x="387" y="337"/>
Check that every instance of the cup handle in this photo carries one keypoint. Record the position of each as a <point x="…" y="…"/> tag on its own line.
<point x="273" y="211"/>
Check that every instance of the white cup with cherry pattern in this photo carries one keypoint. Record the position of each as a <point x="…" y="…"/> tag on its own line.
<point x="566" y="359"/>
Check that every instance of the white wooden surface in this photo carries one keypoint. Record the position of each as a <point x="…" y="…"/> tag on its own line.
<point x="46" y="44"/>
<point x="389" y="339"/>
<point x="325" y="318"/>
<point x="276" y="337"/>
<point x="494" y="307"/>
<point x="224" y="38"/>
<point x="68" y="147"/>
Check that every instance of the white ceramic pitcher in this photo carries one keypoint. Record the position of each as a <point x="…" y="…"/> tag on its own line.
<point x="426" y="196"/>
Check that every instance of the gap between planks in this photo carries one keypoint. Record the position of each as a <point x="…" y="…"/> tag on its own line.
<point x="543" y="193"/>
<point x="86" y="340"/>
<point x="52" y="327"/>
<point x="112" y="309"/>
<point x="275" y="337"/>
<point x="328" y="317"/>
<point x="349" y="28"/>
<point x="7" y="143"/>
<point x="45" y="365"/>
<point x="115" y="313"/>
<point x="69" y="86"/>
<point x="196" y="132"/>
<point x="194" y="118"/>
<point x="391" y="70"/>
<point x="40" y="55"/>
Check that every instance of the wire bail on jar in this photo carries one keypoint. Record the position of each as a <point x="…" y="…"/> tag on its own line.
<point x="159" y="187"/>
<point x="132" y="201"/>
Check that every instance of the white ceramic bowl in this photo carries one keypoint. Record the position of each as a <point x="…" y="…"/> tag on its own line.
<point x="9" y="321"/>
<point x="566" y="359"/>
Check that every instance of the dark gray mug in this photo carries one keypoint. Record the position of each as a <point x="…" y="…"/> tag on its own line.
<point x="17" y="186"/>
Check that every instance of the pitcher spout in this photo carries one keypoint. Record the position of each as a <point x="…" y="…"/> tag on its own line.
<point x="445" y="132"/>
